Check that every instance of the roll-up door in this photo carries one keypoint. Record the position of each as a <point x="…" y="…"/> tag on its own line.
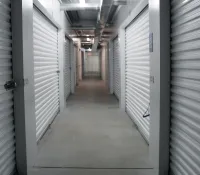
<point x="46" y="72"/>
<point x="116" y="68"/>
<point x="92" y="65"/>
<point x="138" y="71"/>
<point x="185" y="88"/>
<point x="7" y="134"/>
<point x="67" y="69"/>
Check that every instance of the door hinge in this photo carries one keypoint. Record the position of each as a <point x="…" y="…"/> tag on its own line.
<point x="10" y="85"/>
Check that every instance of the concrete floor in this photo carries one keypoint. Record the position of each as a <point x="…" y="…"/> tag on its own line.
<point x="92" y="137"/>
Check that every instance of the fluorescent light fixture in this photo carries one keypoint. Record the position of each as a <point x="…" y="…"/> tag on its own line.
<point x="88" y="39"/>
<point x="87" y="35"/>
<point x="82" y="1"/>
<point x="186" y="1"/>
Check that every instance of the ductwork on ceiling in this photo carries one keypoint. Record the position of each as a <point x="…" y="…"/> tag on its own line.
<point x="105" y="12"/>
<point x="77" y="7"/>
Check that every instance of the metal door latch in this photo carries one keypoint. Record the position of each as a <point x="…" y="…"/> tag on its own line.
<point x="152" y="79"/>
<point x="10" y="85"/>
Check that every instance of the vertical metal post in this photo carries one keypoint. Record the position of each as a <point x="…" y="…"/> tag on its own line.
<point x="111" y="77"/>
<point x="62" y="93"/>
<point x="73" y="67"/>
<point x="159" y="12"/>
<point x="23" y="72"/>
<point x="122" y="68"/>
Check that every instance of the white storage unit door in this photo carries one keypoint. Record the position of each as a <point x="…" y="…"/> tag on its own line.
<point x="45" y="72"/>
<point x="92" y="65"/>
<point x="138" y="71"/>
<point x="7" y="134"/>
<point x="185" y="88"/>
<point x="67" y="70"/>
<point x="116" y="68"/>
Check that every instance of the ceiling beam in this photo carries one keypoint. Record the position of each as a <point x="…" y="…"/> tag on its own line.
<point x="90" y="36"/>
<point x="78" y="6"/>
<point x="84" y="23"/>
<point x="120" y="2"/>
<point x="82" y="28"/>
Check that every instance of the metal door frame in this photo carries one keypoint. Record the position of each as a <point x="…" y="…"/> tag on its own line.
<point x="23" y="74"/>
<point x="111" y="61"/>
<point x="159" y="19"/>
<point x="111" y="65"/>
<point x="71" y="64"/>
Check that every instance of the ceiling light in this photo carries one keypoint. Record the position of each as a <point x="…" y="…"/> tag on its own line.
<point x="82" y="1"/>
<point x="88" y="39"/>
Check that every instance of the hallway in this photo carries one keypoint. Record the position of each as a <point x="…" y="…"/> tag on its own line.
<point x="92" y="137"/>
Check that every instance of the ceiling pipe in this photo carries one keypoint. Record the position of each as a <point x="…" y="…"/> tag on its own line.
<point x="91" y="36"/>
<point x="78" y="6"/>
<point x="120" y="2"/>
<point x="104" y="14"/>
<point x="83" y="28"/>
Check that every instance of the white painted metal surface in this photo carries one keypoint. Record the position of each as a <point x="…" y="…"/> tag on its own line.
<point x="76" y="63"/>
<point x="116" y="68"/>
<point x="185" y="87"/>
<point x="46" y="72"/>
<point x="7" y="134"/>
<point x="92" y="65"/>
<point x="138" y="71"/>
<point x="67" y="68"/>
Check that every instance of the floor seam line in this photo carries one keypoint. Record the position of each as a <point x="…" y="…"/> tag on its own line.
<point x="90" y="168"/>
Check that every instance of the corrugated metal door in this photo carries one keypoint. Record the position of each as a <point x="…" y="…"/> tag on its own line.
<point x="116" y="68"/>
<point x="67" y="69"/>
<point x="185" y="88"/>
<point x="138" y="71"/>
<point x="7" y="135"/>
<point x="46" y="72"/>
<point x="92" y="65"/>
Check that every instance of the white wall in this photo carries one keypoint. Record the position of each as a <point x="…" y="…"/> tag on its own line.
<point x="78" y="59"/>
<point x="53" y="7"/>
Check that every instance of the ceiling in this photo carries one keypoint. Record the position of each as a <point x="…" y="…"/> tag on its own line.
<point x="77" y="1"/>
<point x="92" y="24"/>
